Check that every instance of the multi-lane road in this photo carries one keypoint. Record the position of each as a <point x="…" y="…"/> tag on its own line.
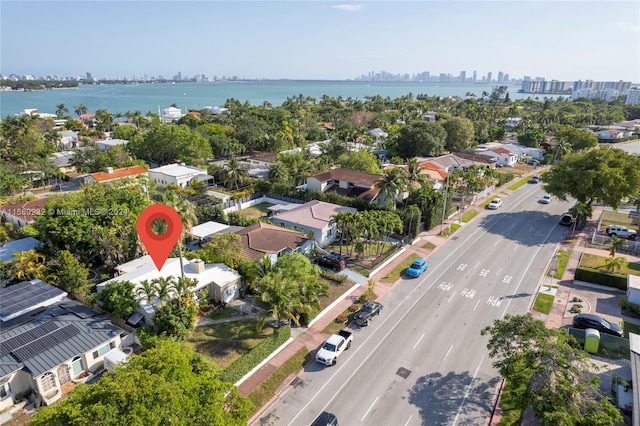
<point x="423" y="361"/>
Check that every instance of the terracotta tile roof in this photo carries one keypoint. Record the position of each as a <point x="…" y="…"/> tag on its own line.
<point x="195" y="113"/>
<point x="25" y="211"/>
<point x="348" y="175"/>
<point x="262" y="238"/>
<point x="118" y="173"/>
<point x="87" y="115"/>
<point x="314" y="214"/>
<point x="501" y="151"/>
<point x="267" y="157"/>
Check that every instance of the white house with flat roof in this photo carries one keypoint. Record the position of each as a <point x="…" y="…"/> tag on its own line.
<point x="179" y="174"/>
<point x="105" y="144"/>
<point x="218" y="279"/>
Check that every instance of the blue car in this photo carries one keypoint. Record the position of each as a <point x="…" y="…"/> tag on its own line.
<point x="417" y="267"/>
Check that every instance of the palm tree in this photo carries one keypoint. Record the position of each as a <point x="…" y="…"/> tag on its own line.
<point x="164" y="286"/>
<point x="278" y="173"/>
<point x="147" y="291"/>
<point x="392" y="184"/>
<point x="80" y="110"/>
<point x="282" y="297"/>
<point x="616" y="243"/>
<point x="187" y="211"/>
<point x="61" y="110"/>
<point x="561" y="149"/>
<point x="344" y="223"/>
<point x="182" y="288"/>
<point x="235" y="173"/>
<point x="310" y="293"/>
<point x="616" y="263"/>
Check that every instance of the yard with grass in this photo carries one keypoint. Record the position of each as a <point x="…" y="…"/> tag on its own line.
<point x="599" y="263"/>
<point x="428" y="246"/>
<point x="563" y="258"/>
<point x="256" y="212"/>
<point x="543" y="303"/>
<point x="450" y="229"/>
<point x="263" y="393"/>
<point x="469" y="215"/>
<point x="399" y="270"/>
<point x="336" y="290"/>
<point x="224" y="343"/>
<point x="610" y="217"/>
<point x="518" y="185"/>
<point x="334" y="327"/>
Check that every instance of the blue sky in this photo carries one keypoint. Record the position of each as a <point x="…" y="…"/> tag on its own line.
<point x="321" y="39"/>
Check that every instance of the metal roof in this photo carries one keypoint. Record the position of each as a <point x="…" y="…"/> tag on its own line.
<point x="21" y="298"/>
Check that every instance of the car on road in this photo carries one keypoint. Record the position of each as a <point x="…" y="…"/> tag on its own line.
<point x="332" y="260"/>
<point x="367" y="312"/>
<point x="334" y="346"/>
<point x="567" y="219"/>
<point x="621" y="231"/>
<point x="546" y="199"/>
<point x="494" y="204"/>
<point x="535" y="179"/>
<point x="325" y="419"/>
<point x="584" y="321"/>
<point x="417" y="268"/>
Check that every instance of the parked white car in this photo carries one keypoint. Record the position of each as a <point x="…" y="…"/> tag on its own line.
<point x="494" y="204"/>
<point x="546" y="199"/>
<point x="621" y="231"/>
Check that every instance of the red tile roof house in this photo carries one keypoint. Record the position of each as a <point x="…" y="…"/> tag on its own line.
<point x="350" y="183"/>
<point x="314" y="218"/>
<point x="503" y="156"/>
<point x="21" y="214"/>
<point x="263" y="239"/>
<point x="112" y="175"/>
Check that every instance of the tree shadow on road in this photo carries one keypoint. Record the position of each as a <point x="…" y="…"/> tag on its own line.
<point x="500" y="224"/>
<point x="439" y="398"/>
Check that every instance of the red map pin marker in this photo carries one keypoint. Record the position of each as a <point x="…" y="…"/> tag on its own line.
<point x="159" y="246"/>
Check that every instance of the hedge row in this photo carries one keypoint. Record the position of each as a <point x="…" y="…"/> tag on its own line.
<point x="597" y="277"/>
<point x="255" y="356"/>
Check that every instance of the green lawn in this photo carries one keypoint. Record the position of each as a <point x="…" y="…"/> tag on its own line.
<point x="630" y="328"/>
<point x="334" y="327"/>
<point x="263" y="393"/>
<point x="469" y="215"/>
<point x="518" y="185"/>
<point x="543" y="303"/>
<point x="511" y="413"/>
<point x="255" y="212"/>
<point x="563" y="258"/>
<point x="450" y="229"/>
<point x="599" y="263"/>
<point x="399" y="270"/>
<point x="616" y="218"/>
<point x="224" y="343"/>
<point x="227" y="312"/>
<point x="429" y="246"/>
<point x="359" y="269"/>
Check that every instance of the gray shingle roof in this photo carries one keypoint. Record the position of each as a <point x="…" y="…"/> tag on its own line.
<point x="60" y="333"/>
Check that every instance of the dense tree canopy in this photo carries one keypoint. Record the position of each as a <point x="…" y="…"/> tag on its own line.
<point x="552" y="374"/>
<point x="421" y="138"/>
<point x="167" y="384"/>
<point x="605" y="175"/>
<point x="460" y="133"/>
<point x="166" y="143"/>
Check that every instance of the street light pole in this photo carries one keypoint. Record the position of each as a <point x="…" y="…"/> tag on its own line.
<point x="444" y="207"/>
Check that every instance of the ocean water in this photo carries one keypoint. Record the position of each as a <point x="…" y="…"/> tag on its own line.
<point x="122" y="98"/>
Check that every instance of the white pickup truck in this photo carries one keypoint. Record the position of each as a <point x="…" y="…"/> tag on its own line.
<point x="334" y="346"/>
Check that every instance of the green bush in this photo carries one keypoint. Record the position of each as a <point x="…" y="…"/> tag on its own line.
<point x="247" y="362"/>
<point x="597" y="277"/>
<point x="333" y="277"/>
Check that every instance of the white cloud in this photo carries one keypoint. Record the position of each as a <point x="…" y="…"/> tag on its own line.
<point x="349" y="7"/>
<point x="635" y="29"/>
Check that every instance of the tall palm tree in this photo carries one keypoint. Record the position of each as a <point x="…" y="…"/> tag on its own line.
<point x="182" y="288"/>
<point x="80" y="110"/>
<point x="310" y="293"/>
<point x="561" y="149"/>
<point x="282" y="297"/>
<point x="615" y="243"/>
<point x="164" y="286"/>
<point x="61" y="110"/>
<point x="392" y="184"/>
<point x="344" y="223"/>
<point x="187" y="211"/>
<point x="147" y="291"/>
<point x="278" y="173"/>
<point x="235" y="173"/>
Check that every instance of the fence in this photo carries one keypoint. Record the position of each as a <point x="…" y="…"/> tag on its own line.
<point x="401" y="241"/>
<point x="632" y="247"/>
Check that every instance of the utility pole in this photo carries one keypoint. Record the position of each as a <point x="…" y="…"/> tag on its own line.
<point x="444" y="207"/>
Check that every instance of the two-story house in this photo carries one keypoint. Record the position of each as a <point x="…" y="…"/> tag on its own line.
<point x="350" y="183"/>
<point x="179" y="174"/>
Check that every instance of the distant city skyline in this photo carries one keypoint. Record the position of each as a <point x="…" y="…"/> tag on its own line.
<point x="322" y="40"/>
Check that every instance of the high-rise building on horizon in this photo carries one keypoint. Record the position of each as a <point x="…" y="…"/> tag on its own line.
<point x="500" y="77"/>
<point x="475" y="76"/>
<point x="463" y="76"/>
<point x="489" y="74"/>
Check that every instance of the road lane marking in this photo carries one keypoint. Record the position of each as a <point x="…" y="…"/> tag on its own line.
<point x="496" y="243"/>
<point x="407" y="422"/>
<point x="466" y="394"/>
<point x="494" y="301"/>
<point x="477" y="303"/>
<point x="445" y="357"/>
<point x="372" y="404"/>
<point x="498" y="271"/>
<point x="477" y="264"/>
<point x="414" y="346"/>
<point x="451" y="297"/>
<point x="468" y="293"/>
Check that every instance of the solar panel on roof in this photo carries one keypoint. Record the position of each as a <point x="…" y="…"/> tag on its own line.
<point x="27" y="337"/>
<point x="22" y="296"/>
<point x="81" y="311"/>
<point x="45" y="343"/>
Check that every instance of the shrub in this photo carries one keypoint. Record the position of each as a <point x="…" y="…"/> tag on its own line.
<point x="354" y="308"/>
<point x="341" y="319"/>
<point x="255" y="356"/>
<point x="596" y="277"/>
<point x="333" y="277"/>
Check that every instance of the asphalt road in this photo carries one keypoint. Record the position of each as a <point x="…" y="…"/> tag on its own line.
<point x="423" y="360"/>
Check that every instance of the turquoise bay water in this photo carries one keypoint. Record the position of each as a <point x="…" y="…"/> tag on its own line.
<point x="151" y="97"/>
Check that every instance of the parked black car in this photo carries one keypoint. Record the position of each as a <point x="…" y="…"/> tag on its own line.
<point x="325" y="419"/>
<point x="584" y="321"/>
<point x="567" y="219"/>
<point x="367" y="312"/>
<point x="332" y="261"/>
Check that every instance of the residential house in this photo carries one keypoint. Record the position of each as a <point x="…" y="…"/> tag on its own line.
<point x="89" y="120"/>
<point x="205" y="231"/>
<point x="21" y="214"/>
<point x="9" y="250"/>
<point x="503" y="156"/>
<point x="430" y="117"/>
<point x="215" y="110"/>
<point x="179" y="174"/>
<point x="347" y="182"/>
<point x="260" y="163"/>
<point x="68" y="139"/>
<point x="314" y="219"/>
<point x="634" y="354"/>
<point x="62" y="160"/>
<point x="609" y="135"/>
<point x="171" y="114"/>
<point x="512" y="122"/>
<point x="524" y="152"/>
<point x="263" y="239"/>
<point x="112" y="175"/>
<point x="48" y="342"/>
<point x="379" y="134"/>
<point x="219" y="280"/>
<point x="456" y="161"/>
<point x="314" y="149"/>
<point x="105" y="144"/>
